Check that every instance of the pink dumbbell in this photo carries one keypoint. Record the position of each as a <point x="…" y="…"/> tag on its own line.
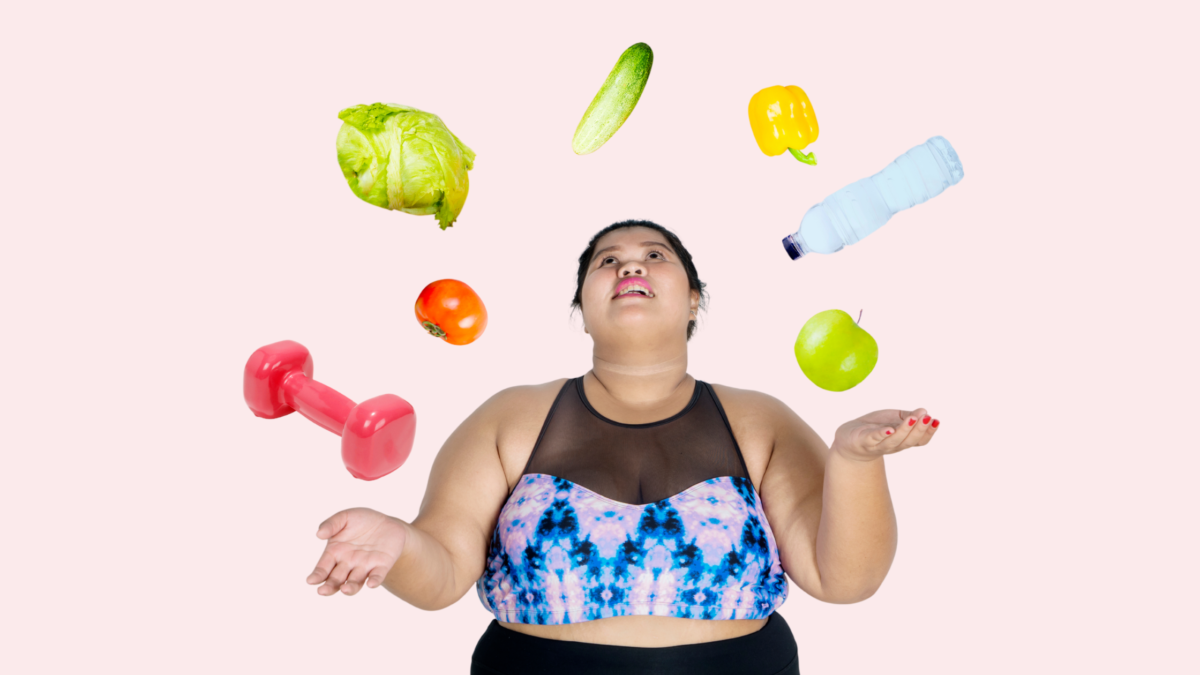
<point x="377" y="434"/>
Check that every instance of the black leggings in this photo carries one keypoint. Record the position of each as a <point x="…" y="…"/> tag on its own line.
<point x="769" y="651"/>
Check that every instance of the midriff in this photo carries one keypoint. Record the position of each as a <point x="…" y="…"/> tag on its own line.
<point x="643" y="631"/>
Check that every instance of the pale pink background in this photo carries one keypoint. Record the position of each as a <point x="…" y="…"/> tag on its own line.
<point x="171" y="201"/>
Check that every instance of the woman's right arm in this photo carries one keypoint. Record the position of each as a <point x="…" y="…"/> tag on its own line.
<point x="446" y="544"/>
<point x="433" y="561"/>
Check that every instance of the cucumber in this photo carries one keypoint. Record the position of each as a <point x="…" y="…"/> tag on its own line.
<point x="615" y="100"/>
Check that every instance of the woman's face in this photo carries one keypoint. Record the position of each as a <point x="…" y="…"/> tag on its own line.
<point x="635" y="282"/>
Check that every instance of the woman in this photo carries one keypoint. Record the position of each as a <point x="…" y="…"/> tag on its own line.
<point x="636" y="520"/>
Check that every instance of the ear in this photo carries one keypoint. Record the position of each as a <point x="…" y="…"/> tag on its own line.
<point x="696" y="301"/>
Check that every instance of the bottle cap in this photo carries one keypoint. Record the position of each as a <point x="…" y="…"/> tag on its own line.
<point x="792" y="248"/>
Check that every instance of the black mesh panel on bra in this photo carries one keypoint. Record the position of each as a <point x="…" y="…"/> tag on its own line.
<point x="636" y="463"/>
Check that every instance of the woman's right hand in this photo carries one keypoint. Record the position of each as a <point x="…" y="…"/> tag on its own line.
<point x="363" y="546"/>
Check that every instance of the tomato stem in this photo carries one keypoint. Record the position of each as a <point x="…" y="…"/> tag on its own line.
<point x="434" y="329"/>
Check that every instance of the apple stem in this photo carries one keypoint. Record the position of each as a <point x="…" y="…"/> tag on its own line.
<point x="859" y="317"/>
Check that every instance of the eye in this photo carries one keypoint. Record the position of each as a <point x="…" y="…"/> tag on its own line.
<point x="606" y="260"/>
<point x="657" y="254"/>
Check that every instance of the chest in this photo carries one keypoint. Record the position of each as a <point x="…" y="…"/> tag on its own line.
<point x="710" y="438"/>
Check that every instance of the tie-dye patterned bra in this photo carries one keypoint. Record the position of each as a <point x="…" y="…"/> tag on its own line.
<point x="612" y="519"/>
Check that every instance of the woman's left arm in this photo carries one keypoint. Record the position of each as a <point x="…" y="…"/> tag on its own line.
<point x="836" y="528"/>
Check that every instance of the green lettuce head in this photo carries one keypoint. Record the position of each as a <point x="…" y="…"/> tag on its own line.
<point x="404" y="159"/>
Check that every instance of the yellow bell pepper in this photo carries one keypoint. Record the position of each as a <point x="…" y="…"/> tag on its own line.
<point x="782" y="118"/>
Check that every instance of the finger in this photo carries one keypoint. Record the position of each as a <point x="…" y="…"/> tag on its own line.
<point x="325" y="564"/>
<point x="905" y="429"/>
<point x="884" y="438"/>
<point x="877" y="434"/>
<point x="332" y="525"/>
<point x="337" y="577"/>
<point x="920" y="432"/>
<point x="923" y="431"/>
<point x="354" y="582"/>
<point x="911" y="430"/>
<point x="377" y="576"/>
<point x="933" y="427"/>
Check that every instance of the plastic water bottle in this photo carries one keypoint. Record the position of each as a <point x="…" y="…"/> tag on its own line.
<point x="862" y="207"/>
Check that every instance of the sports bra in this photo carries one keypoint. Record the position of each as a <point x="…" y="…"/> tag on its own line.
<point x="611" y="519"/>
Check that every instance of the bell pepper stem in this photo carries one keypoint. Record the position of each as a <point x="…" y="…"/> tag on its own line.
<point x="806" y="157"/>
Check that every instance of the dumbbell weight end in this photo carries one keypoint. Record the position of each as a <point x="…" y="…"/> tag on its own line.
<point x="378" y="436"/>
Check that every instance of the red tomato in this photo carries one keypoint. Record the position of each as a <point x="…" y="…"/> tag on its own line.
<point x="450" y="310"/>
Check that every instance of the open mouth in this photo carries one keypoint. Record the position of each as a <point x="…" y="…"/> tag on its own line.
<point x="632" y="287"/>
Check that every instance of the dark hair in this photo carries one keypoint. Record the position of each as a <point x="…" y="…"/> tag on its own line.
<point x="686" y="258"/>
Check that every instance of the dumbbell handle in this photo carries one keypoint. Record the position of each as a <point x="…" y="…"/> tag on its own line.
<point x="318" y="402"/>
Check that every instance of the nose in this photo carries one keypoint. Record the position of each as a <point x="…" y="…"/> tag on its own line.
<point x="631" y="267"/>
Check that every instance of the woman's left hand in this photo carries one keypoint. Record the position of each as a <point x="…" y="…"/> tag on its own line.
<point x="884" y="432"/>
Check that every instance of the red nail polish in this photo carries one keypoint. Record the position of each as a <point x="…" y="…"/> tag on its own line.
<point x="935" y="424"/>
<point x="912" y="422"/>
<point x="888" y="432"/>
<point x="926" y="420"/>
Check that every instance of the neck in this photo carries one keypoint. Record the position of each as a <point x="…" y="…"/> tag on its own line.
<point x="641" y="381"/>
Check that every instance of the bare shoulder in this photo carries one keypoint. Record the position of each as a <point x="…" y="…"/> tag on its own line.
<point x="520" y="413"/>
<point x="750" y="402"/>
<point x="755" y="418"/>
<point x="514" y="399"/>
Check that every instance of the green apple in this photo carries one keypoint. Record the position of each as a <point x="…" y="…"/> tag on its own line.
<point x="834" y="352"/>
